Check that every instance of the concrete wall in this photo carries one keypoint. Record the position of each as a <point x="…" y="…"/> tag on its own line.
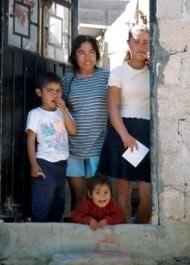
<point x="171" y="170"/>
<point x="173" y="97"/>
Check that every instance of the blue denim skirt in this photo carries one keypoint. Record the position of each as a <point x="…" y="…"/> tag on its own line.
<point x="113" y="165"/>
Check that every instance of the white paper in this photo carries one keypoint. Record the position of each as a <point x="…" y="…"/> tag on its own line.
<point x="135" y="157"/>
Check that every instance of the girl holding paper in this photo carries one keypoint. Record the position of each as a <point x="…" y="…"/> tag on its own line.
<point x="129" y="111"/>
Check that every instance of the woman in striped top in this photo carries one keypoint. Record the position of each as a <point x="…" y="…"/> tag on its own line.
<point x="85" y="89"/>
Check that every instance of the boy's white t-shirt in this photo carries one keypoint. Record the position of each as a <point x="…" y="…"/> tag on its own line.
<point x="135" y="90"/>
<point x="52" y="137"/>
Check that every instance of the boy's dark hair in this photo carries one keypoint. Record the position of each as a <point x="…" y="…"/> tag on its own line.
<point x="98" y="180"/>
<point x="76" y="44"/>
<point x="47" y="78"/>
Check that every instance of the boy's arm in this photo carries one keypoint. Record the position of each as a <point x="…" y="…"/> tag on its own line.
<point x="30" y="139"/>
<point x="68" y="120"/>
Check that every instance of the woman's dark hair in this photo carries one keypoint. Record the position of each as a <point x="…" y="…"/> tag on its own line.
<point x="98" y="180"/>
<point x="76" y="44"/>
<point x="46" y="78"/>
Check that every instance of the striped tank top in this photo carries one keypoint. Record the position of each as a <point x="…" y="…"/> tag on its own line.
<point x="87" y="103"/>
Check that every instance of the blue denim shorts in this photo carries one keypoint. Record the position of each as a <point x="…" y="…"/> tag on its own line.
<point x="77" y="167"/>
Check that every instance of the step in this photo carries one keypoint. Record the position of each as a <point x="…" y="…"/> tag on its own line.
<point x="113" y="258"/>
<point x="98" y="258"/>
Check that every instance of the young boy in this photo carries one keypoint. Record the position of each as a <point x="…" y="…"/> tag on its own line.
<point x="99" y="210"/>
<point x="48" y="125"/>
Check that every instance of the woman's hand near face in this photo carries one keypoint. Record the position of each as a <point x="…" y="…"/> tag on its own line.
<point x="147" y="60"/>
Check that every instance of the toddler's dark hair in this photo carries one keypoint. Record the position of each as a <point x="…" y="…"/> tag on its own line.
<point x="47" y="78"/>
<point x="76" y="44"/>
<point x="98" y="180"/>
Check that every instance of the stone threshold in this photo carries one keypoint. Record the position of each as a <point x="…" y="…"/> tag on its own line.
<point x="95" y="258"/>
